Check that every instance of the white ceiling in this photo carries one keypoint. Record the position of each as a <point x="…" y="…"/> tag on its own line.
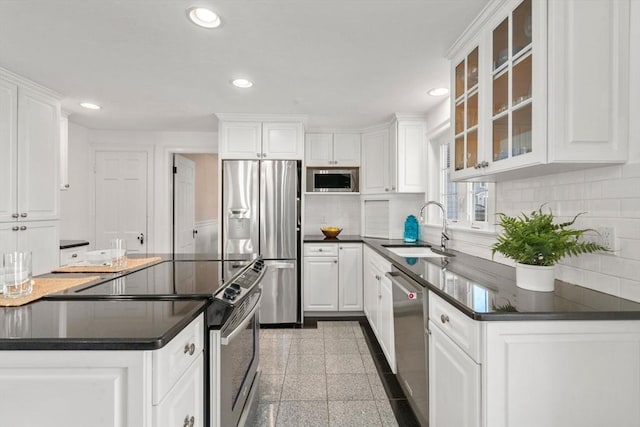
<point x="344" y="63"/>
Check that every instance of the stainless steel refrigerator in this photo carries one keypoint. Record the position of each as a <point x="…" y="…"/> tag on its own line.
<point x="261" y="216"/>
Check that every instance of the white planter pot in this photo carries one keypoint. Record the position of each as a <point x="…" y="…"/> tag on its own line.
<point x="535" y="277"/>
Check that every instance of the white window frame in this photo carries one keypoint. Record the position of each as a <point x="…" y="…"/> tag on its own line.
<point x="465" y="218"/>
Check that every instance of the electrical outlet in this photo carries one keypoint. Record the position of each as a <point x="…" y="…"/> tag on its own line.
<point x="605" y="236"/>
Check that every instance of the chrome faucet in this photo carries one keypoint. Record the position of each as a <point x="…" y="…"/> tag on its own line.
<point x="443" y="236"/>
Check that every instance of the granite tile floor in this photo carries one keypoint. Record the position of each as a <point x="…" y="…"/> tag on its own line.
<point x="322" y="376"/>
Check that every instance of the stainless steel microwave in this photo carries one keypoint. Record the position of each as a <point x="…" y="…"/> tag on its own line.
<point x="333" y="180"/>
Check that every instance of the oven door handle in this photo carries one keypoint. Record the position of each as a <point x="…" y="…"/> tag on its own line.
<point x="225" y="340"/>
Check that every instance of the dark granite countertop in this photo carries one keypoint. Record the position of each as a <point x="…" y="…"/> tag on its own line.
<point x="68" y="244"/>
<point x="486" y="290"/>
<point x="96" y="324"/>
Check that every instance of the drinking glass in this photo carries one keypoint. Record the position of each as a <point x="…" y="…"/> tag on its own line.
<point x="118" y="252"/>
<point x="17" y="273"/>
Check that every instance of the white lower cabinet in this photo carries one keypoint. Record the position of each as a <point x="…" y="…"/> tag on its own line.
<point x="531" y="373"/>
<point x="454" y="383"/>
<point x="73" y="255"/>
<point x="321" y="283"/>
<point x="110" y="388"/>
<point x="333" y="277"/>
<point x="41" y="238"/>
<point x="378" y="303"/>
<point x="182" y="406"/>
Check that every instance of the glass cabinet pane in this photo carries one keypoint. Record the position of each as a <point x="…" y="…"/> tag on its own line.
<point x="521" y="81"/>
<point x="472" y="149"/>
<point x="501" y="138"/>
<point x="459" y="160"/>
<point x="522" y="26"/>
<point x="480" y="194"/>
<point x="459" y="117"/>
<point x="501" y="44"/>
<point x="472" y="69"/>
<point x="472" y="111"/>
<point x="521" y="130"/>
<point x="501" y="93"/>
<point x="459" y="79"/>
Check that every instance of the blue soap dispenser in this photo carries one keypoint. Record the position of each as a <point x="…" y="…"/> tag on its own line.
<point x="411" y="229"/>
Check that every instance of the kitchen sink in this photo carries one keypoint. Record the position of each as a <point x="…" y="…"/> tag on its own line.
<point x="415" y="252"/>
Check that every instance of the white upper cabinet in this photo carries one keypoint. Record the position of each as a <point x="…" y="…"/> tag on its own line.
<point x="523" y="79"/>
<point x="38" y="154"/>
<point x="282" y="141"/>
<point x="8" y="150"/>
<point x="29" y="154"/>
<point x="393" y="159"/>
<point x="318" y="149"/>
<point x="332" y="150"/>
<point x="261" y="140"/>
<point x="376" y="177"/>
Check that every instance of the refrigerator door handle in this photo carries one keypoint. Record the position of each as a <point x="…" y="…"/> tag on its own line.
<point x="280" y="264"/>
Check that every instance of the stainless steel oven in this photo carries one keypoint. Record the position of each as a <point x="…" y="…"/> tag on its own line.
<point x="234" y="357"/>
<point x="328" y="180"/>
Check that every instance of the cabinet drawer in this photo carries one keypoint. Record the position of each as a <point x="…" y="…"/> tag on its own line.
<point x="171" y="361"/>
<point x="72" y="255"/>
<point x="462" y="330"/>
<point x="320" y="249"/>
<point x="184" y="402"/>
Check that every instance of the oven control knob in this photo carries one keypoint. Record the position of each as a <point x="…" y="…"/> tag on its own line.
<point x="230" y="294"/>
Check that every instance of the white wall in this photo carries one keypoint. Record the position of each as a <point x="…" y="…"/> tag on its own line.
<point x="332" y="210"/>
<point x="76" y="209"/>
<point x="77" y="216"/>
<point x="609" y="195"/>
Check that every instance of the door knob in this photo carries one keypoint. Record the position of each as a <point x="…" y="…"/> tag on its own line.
<point x="141" y="238"/>
<point x="194" y="233"/>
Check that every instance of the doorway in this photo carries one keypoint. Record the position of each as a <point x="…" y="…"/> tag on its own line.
<point x="121" y="198"/>
<point x="195" y="203"/>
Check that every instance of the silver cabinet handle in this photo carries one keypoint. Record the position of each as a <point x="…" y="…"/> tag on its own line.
<point x="23" y="215"/>
<point x="386" y="189"/>
<point x="258" y="155"/>
<point x="74" y="256"/>
<point x="335" y="261"/>
<point x="15" y="228"/>
<point x="320" y="250"/>
<point x="67" y="186"/>
<point x="192" y="421"/>
<point x="190" y="348"/>
<point x="186" y="421"/>
<point x="15" y="215"/>
<point x="444" y="318"/>
<point x="24" y="227"/>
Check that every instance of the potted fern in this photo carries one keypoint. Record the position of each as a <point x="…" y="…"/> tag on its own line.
<point x="536" y="243"/>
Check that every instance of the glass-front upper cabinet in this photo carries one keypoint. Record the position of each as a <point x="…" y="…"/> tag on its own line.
<point x="512" y="59"/>
<point x="466" y="92"/>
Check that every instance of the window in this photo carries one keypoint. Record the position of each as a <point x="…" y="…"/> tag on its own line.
<point x="468" y="204"/>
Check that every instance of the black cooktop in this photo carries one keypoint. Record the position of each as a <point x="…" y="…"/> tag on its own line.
<point x="180" y="279"/>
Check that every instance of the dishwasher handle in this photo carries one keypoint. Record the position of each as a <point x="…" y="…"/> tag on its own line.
<point x="395" y="278"/>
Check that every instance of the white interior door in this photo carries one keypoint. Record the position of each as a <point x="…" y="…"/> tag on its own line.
<point x="121" y="198"/>
<point x="184" y="205"/>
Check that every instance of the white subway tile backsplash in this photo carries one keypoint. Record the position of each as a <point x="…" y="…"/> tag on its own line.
<point x="631" y="170"/>
<point x="610" y="196"/>
<point x="630" y="208"/>
<point x="602" y="282"/>
<point x="601" y="174"/>
<point x="630" y="289"/>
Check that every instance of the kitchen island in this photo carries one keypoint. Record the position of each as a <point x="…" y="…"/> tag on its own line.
<point x="125" y="349"/>
<point x="502" y="356"/>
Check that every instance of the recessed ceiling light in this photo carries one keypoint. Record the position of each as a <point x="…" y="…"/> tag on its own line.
<point x="204" y="17"/>
<point x="439" y="91"/>
<point x="90" y="105"/>
<point x="243" y="83"/>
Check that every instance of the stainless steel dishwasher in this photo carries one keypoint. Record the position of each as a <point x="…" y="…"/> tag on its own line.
<point x="410" y="308"/>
